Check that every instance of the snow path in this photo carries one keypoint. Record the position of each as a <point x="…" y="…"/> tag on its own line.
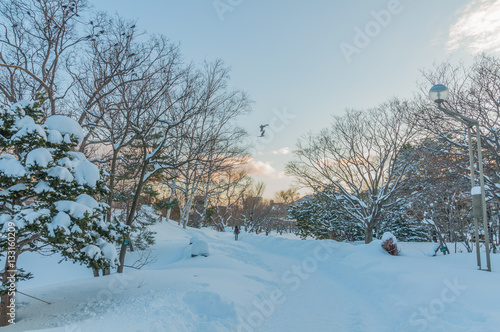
<point x="264" y="284"/>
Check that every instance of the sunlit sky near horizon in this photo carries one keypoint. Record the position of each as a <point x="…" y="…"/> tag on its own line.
<point x="302" y="61"/>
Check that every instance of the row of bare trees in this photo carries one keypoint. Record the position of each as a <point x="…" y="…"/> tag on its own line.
<point x="233" y="199"/>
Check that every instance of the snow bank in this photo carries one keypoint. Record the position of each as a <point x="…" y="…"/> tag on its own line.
<point x="267" y="283"/>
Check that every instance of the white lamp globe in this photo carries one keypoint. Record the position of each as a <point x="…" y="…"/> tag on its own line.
<point x="438" y="93"/>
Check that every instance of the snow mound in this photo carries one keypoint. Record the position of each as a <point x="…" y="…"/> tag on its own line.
<point x="198" y="247"/>
<point x="92" y="251"/>
<point x="109" y="252"/>
<point x="390" y="244"/>
<point x="12" y="189"/>
<point x="54" y="137"/>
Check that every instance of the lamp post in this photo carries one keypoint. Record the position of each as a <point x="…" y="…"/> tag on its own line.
<point x="439" y="94"/>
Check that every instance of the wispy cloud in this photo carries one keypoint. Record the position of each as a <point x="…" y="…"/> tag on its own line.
<point x="284" y="150"/>
<point x="262" y="168"/>
<point x="259" y="168"/>
<point x="477" y="28"/>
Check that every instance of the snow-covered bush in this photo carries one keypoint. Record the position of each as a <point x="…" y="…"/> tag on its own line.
<point x="47" y="191"/>
<point x="198" y="247"/>
<point x="390" y="243"/>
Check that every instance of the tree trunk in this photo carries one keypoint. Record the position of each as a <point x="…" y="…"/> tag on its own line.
<point x="205" y="205"/>
<point x="5" y="318"/>
<point x="186" y="210"/>
<point x="130" y="218"/>
<point x="369" y="232"/>
<point x="368" y="236"/>
<point x="171" y="199"/>
<point x="186" y="219"/>
<point x="111" y="185"/>
<point x="201" y="223"/>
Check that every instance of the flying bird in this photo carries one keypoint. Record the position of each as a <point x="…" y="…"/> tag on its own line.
<point x="262" y="131"/>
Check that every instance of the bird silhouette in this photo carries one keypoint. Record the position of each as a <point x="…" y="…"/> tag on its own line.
<point x="262" y="131"/>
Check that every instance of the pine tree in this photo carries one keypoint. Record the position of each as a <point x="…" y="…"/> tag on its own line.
<point x="47" y="195"/>
<point x="402" y="224"/>
<point x="322" y="218"/>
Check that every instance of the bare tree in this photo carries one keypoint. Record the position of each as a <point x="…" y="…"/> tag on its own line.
<point x="39" y="40"/>
<point x="283" y="200"/>
<point x="223" y="198"/>
<point x="255" y="212"/>
<point x="358" y="157"/>
<point x="210" y="140"/>
<point x="111" y="61"/>
<point x="133" y="122"/>
<point x="474" y="92"/>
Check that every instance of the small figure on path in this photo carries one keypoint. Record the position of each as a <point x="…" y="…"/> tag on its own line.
<point x="236" y="232"/>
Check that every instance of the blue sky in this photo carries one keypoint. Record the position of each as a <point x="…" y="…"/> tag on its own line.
<point x="302" y="61"/>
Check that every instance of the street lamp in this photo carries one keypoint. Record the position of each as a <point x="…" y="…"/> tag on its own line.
<point x="439" y="94"/>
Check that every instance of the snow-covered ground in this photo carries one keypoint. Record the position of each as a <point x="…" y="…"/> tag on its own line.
<point x="264" y="283"/>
